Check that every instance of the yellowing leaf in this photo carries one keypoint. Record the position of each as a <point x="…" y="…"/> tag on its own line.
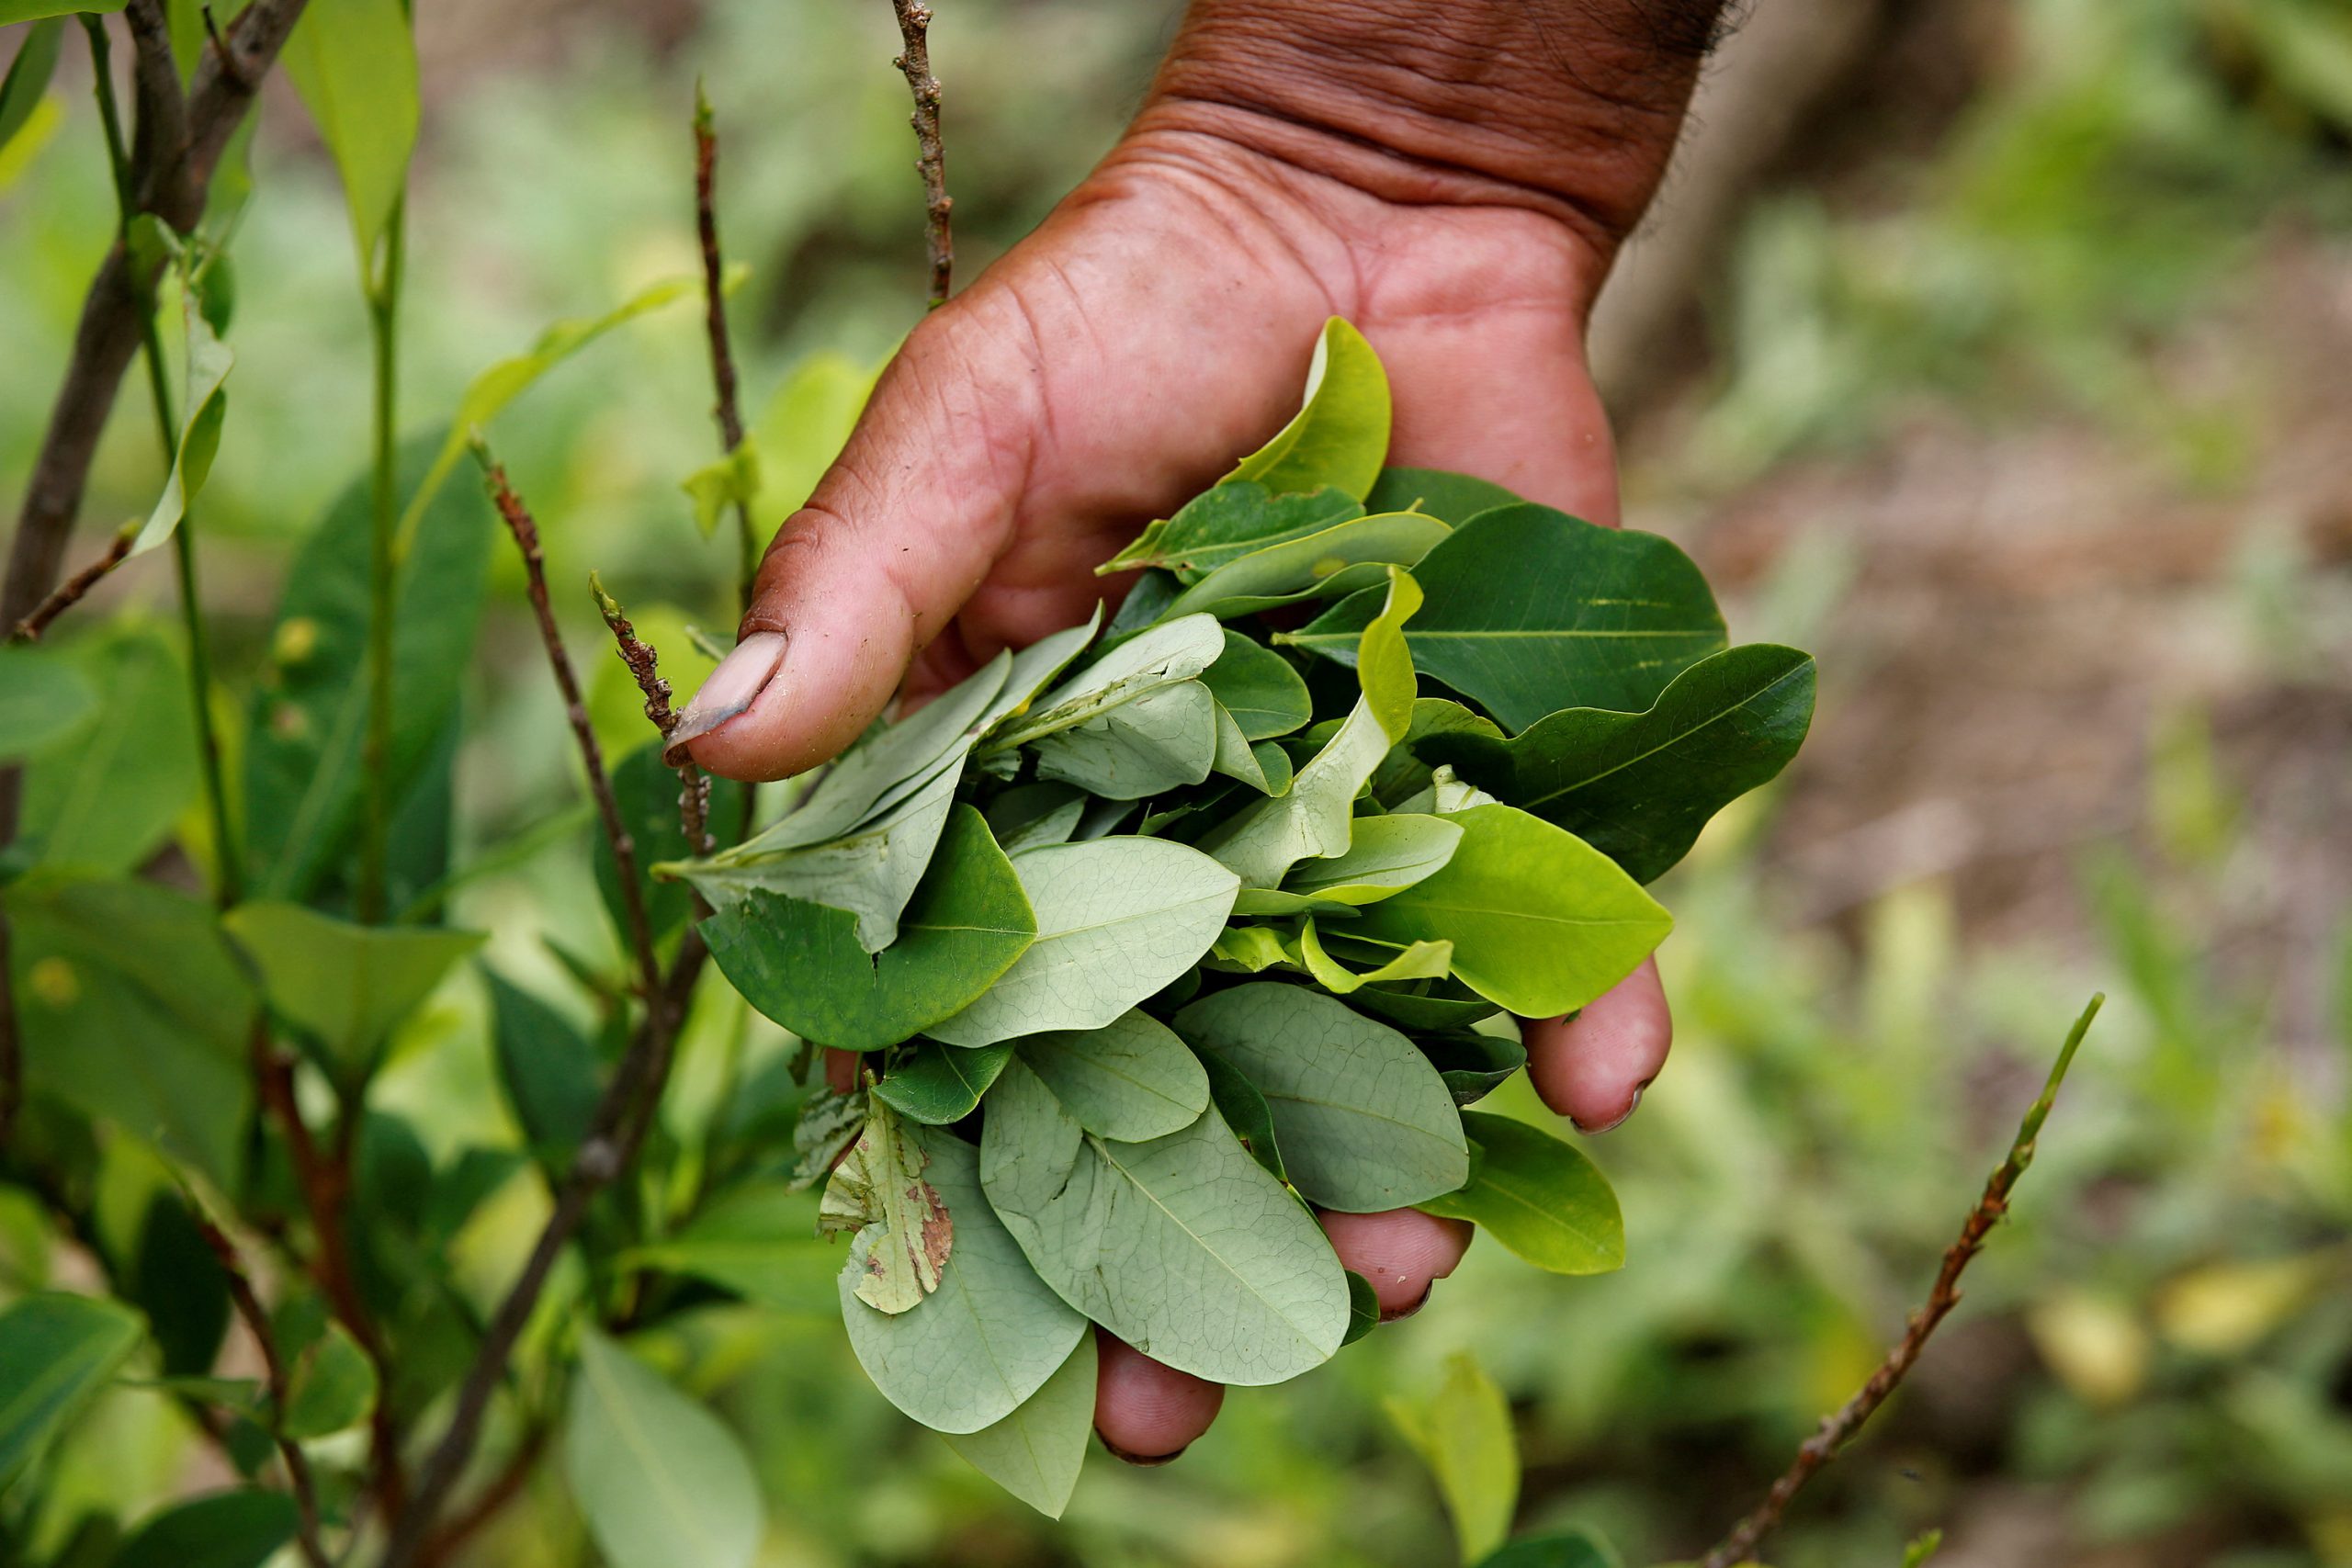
<point x="1463" y="1434"/>
<point x="1340" y="435"/>
<point x="904" y="1231"/>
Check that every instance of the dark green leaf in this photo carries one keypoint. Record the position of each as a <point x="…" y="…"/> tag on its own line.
<point x="1364" y="1308"/>
<point x="1473" y="1066"/>
<point x="1569" y="1548"/>
<point x="28" y="74"/>
<point x="1230" y="521"/>
<point x="937" y="1084"/>
<point x="1258" y="687"/>
<point x="1638" y="786"/>
<point x="1538" y="1196"/>
<point x="44" y="696"/>
<point x="1444" y="1004"/>
<point x="175" y="1279"/>
<point x="802" y="964"/>
<point x="226" y="1530"/>
<point x="1528" y="610"/>
<point x="109" y="799"/>
<point x="1330" y="565"/>
<point x="1245" y="1111"/>
<point x="303" y="761"/>
<point x="56" y="1352"/>
<point x="550" y="1071"/>
<point x="1454" y="498"/>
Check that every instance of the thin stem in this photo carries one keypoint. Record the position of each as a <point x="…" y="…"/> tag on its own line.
<point x="915" y="32"/>
<point x="68" y="594"/>
<point x="1838" y="1427"/>
<point x="727" y="410"/>
<point x="644" y="668"/>
<point x="383" y="590"/>
<point x="275" y="1381"/>
<point x="147" y="35"/>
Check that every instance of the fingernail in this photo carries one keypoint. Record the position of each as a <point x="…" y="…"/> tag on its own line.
<point x="1141" y="1461"/>
<point x="1619" y="1120"/>
<point x="734" y="686"/>
<point x="1399" y="1315"/>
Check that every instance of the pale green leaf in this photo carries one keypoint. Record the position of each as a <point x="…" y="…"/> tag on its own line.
<point x="802" y="428"/>
<point x="1228" y="520"/>
<point x="331" y="1385"/>
<point x="1248" y="949"/>
<point x="1340" y="435"/>
<point x="56" y="1352"/>
<point x="1384" y="855"/>
<point x="354" y="64"/>
<point x="729" y="482"/>
<point x="1117" y="918"/>
<point x="1464" y="1435"/>
<point x="1183" y="1246"/>
<point x="1363" y="1120"/>
<point x="904" y="1234"/>
<point x="203" y="407"/>
<point x="661" y="1480"/>
<point x="1541" y="923"/>
<point x="991" y="1337"/>
<point x="108" y="801"/>
<point x="1030" y="816"/>
<point x="1132" y="1079"/>
<point x="1235" y="758"/>
<point x="1036" y="1452"/>
<point x="1172" y="651"/>
<point x="1161" y="741"/>
<point x="1331" y="564"/>
<point x="345" y="985"/>
<point x="1419" y="961"/>
<point x="1539" y="1197"/>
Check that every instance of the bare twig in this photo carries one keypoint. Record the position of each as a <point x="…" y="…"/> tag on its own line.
<point x="644" y="667"/>
<point x="68" y="594"/>
<point x="915" y="31"/>
<point x="276" y="1383"/>
<point x="1838" y="1427"/>
<point x="728" y="409"/>
<point x="491" y="1501"/>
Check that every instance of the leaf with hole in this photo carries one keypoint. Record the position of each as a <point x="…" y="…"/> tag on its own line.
<point x="903" y="1232"/>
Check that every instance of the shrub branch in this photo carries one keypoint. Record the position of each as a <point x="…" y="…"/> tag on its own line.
<point x="644" y="668"/>
<point x="915" y="32"/>
<point x="1838" y="1427"/>
<point x="727" y="407"/>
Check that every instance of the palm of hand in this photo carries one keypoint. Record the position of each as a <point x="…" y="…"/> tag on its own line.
<point x="1107" y="368"/>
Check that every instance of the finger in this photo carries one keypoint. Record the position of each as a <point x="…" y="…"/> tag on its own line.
<point x="1591" y="1066"/>
<point x="1403" y="1252"/>
<point x="1144" y="1412"/>
<point x="841" y="1070"/>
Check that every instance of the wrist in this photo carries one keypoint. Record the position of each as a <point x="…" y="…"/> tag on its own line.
<point x="1568" y="108"/>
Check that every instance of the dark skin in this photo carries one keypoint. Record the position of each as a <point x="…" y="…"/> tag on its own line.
<point x="1452" y="175"/>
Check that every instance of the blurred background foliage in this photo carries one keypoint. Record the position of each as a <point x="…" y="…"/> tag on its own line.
<point x="2007" y="368"/>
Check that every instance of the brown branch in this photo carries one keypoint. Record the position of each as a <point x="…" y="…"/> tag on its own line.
<point x="644" y="667"/>
<point x="727" y="409"/>
<point x="489" y="1502"/>
<point x="276" y="1383"/>
<point x="1838" y="1427"/>
<point x="915" y="31"/>
<point x="68" y="594"/>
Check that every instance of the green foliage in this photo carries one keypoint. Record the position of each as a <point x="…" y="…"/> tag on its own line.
<point x="56" y="1352"/>
<point x="43" y="698"/>
<point x="204" y="404"/>
<point x="1462" y="1432"/>
<point x="1538" y="1196"/>
<point x="343" y="987"/>
<point x="656" y="1475"/>
<point x="105" y="796"/>
<point x="354" y="62"/>
<point x="242" y="1528"/>
<point x="29" y="74"/>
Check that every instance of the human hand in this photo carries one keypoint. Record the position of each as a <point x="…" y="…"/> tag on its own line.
<point x="1112" y="365"/>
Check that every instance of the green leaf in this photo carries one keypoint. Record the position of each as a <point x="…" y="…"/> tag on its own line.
<point x="1258" y="687"/>
<point x="992" y="1334"/>
<point x="304" y="753"/>
<point x="1117" y="918"/>
<point x="1266" y="837"/>
<point x="903" y="1233"/>
<point x="729" y="481"/>
<point x="1384" y="856"/>
<point x="1161" y="741"/>
<point x="1029" y="816"/>
<point x="1531" y="610"/>
<point x="44" y="697"/>
<point x="107" y="801"/>
<point x="1172" y="651"/>
<point x="1403" y="774"/>
<point x="134" y="1009"/>
<point x="1364" y="1121"/>
<point x="938" y="1085"/>
<point x="646" y="790"/>
<point x="1183" y="1246"/>
<point x="56" y="1352"/>
<point x="1036" y="1452"/>
<point x="354" y="64"/>
<point x="1340" y="435"/>
<point x="1568" y="1548"/>
<point x="1248" y="949"/>
<point x="1541" y="923"/>
<point x="802" y="964"/>
<point x="1472" y="1064"/>
<point x="14" y="11"/>
<point x="660" y="1481"/>
<point x="1132" y="1079"/>
<point x="1336" y="562"/>
<point x="242" y="1528"/>
<point x="1364" y="1308"/>
<point x="1419" y="961"/>
<point x="1463" y="1434"/>
<point x="1538" y="1196"/>
<point x="1457" y="498"/>
<point x="759" y="1241"/>
<point x="1638" y="786"/>
<point x="550" y="1070"/>
<point x="204" y="405"/>
<point x="332" y="1386"/>
<point x="1252" y="1120"/>
<point x="28" y="74"/>
<point x="487" y="395"/>
<point x="1448" y="1005"/>
<point x="802" y="429"/>
<point x="1228" y="522"/>
<point x="345" y="985"/>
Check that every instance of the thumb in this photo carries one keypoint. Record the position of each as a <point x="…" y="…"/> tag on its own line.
<point x="896" y="536"/>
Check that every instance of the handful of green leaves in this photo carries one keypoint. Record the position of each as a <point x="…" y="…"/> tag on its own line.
<point x="1159" y="931"/>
